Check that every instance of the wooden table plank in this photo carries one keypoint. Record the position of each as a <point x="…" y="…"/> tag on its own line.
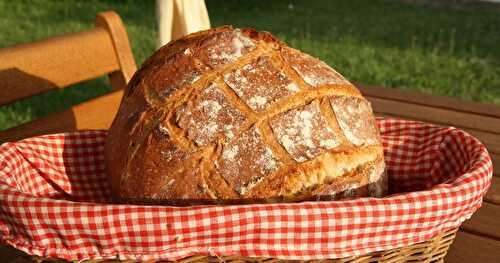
<point x="493" y="194"/>
<point x="8" y="254"/>
<point x="485" y="221"/>
<point x="495" y="159"/>
<point x="434" y="115"/>
<point x="25" y="260"/>
<point x="470" y="248"/>
<point x="414" y="97"/>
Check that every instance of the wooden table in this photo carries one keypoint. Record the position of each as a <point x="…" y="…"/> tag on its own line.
<point x="479" y="238"/>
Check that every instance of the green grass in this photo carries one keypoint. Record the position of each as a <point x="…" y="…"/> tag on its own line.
<point x="438" y="50"/>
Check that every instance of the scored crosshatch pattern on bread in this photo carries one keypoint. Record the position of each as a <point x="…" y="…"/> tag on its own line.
<point x="260" y="83"/>
<point x="209" y="116"/>
<point x="253" y="119"/>
<point x="247" y="160"/>
<point x="304" y="132"/>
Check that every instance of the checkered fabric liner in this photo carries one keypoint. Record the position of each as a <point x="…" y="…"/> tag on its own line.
<point x="54" y="202"/>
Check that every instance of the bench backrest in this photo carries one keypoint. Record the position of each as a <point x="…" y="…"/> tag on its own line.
<point x="58" y="62"/>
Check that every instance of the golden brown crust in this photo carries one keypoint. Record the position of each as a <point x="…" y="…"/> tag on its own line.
<point x="327" y="171"/>
<point x="234" y="115"/>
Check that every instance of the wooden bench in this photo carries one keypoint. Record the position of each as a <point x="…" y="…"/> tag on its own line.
<point x="30" y="69"/>
<point x="105" y="50"/>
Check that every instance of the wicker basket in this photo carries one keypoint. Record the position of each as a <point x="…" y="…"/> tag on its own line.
<point x="415" y="224"/>
<point x="432" y="250"/>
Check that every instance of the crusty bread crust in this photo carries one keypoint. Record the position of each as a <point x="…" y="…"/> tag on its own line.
<point x="228" y="115"/>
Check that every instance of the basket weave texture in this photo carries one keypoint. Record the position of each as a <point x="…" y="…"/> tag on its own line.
<point x="55" y="204"/>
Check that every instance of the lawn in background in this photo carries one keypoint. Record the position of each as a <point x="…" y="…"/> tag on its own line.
<point x="438" y="50"/>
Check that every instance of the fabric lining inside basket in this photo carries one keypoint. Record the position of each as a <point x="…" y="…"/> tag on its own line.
<point x="54" y="202"/>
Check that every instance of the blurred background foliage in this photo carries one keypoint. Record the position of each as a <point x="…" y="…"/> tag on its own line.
<point x="451" y="50"/>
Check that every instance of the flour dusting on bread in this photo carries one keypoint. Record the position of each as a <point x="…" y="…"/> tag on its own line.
<point x="260" y="84"/>
<point x="313" y="71"/>
<point x="209" y="116"/>
<point x="356" y="119"/>
<point x="304" y="132"/>
<point x="246" y="159"/>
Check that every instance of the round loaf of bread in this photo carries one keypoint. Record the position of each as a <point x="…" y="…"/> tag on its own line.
<point x="233" y="116"/>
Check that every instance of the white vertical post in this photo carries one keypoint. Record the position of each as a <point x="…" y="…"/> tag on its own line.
<point x="164" y="14"/>
<point x="176" y="18"/>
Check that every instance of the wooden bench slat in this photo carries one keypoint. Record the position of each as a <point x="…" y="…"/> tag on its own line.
<point x="484" y="222"/>
<point x="473" y="248"/>
<point x="415" y="97"/>
<point x="64" y="60"/>
<point x="436" y="115"/>
<point x="113" y="24"/>
<point x="493" y="194"/>
<point x="93" y="114"/>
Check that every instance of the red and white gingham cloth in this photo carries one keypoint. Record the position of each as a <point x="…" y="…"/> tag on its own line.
<point x="54" y="194"/>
